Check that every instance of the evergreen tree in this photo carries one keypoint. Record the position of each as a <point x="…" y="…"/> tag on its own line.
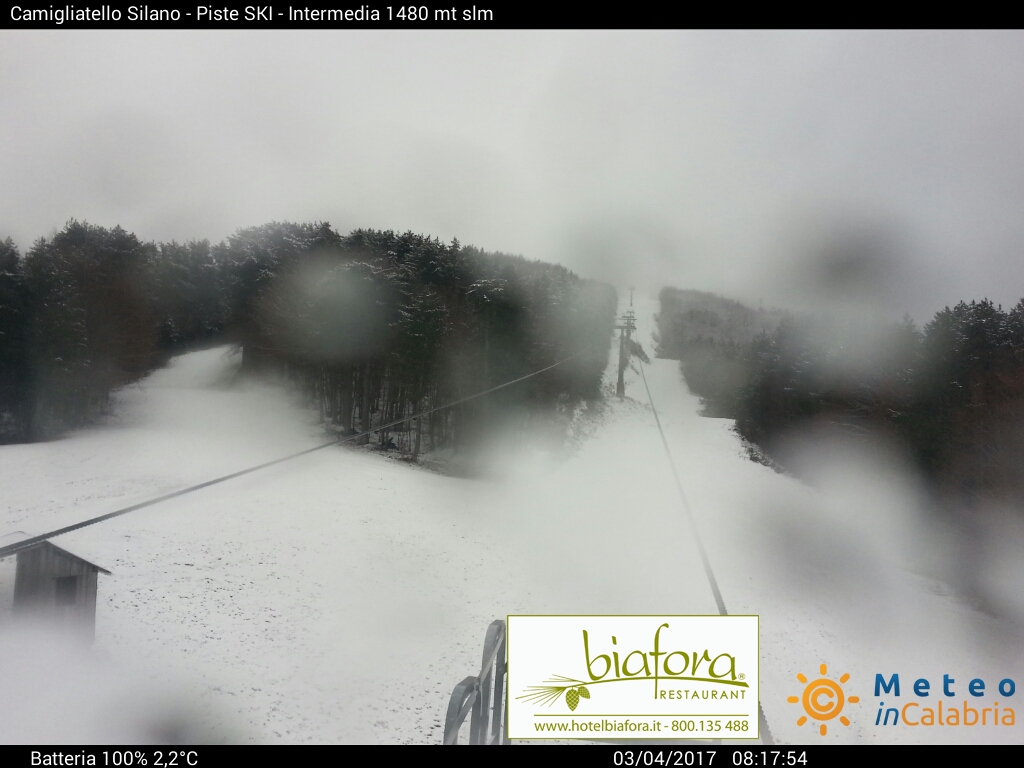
<point x="14" y="373"/>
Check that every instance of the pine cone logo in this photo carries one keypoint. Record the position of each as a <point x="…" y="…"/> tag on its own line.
<point x="572" y="698"/>
<point x="573" y="695"/>
<point x="558" y="687"/>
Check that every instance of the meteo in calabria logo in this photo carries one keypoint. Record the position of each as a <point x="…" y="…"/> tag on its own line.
<point x="823" y="699"/>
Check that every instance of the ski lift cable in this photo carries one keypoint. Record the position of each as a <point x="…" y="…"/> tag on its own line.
<point x="686" y="505"/>
<point x="11" y="549"/>
<point x="766" y="735"/>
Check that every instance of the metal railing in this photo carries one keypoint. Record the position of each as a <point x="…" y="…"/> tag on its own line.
<point x="481" y="698"/>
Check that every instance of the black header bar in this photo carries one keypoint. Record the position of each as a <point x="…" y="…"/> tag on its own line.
<point x="283" y="15"/>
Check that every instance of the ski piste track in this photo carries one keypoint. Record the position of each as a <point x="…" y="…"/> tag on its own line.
<point x="766" y="734"/>
<point x="709" y="572"/>
<point x="24" y="544"/>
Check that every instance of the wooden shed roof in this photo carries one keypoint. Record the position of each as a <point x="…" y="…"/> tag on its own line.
<point x="16" y="536"/>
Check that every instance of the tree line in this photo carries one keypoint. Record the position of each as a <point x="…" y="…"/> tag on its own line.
<point x="371" y="326"/>
<point x="952" y="392"/>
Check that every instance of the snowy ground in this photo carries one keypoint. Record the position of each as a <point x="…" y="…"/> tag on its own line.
<point x="340" y="597"/>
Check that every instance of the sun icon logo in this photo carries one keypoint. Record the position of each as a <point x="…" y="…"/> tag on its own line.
<point x="823" y="699"/>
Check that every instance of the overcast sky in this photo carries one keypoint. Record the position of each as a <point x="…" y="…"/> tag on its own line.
<point x="879" y="169"/>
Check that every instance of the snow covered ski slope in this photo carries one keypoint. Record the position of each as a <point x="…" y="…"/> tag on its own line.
<point x="339" y="597"/>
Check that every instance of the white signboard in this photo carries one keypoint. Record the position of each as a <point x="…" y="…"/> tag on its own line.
<point x="632" y="677"/>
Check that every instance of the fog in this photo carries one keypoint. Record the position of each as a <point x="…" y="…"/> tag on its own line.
<point x="724" y="161"/>
<point x="92" y="699"/>
<point x="852" y="173"/>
